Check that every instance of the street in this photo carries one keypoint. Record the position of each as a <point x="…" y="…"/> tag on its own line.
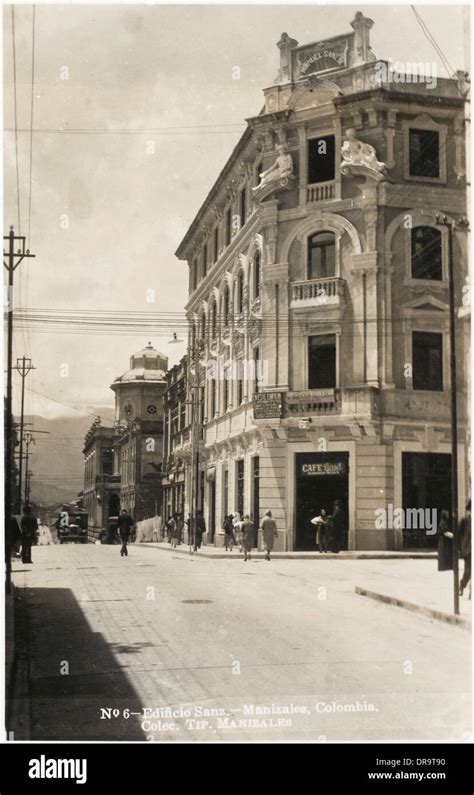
<point x="238" y="651"/>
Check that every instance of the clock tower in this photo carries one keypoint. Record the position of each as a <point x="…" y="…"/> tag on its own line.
<point x="139" y="423"/>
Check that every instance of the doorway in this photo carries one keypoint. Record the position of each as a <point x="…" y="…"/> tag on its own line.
<point x="426" y="484"/>
<point x="321" y="478"/>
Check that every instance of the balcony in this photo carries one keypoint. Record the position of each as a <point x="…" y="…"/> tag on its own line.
<point x="348" y="401"/>
<point x="321" y="192"/>
<point x="313" y="401"/>
<point x="327" y="295"/>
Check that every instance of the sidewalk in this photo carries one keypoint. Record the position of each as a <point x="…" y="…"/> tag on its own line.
<point x="219" y="552"/>
<point x="404" y="579"/>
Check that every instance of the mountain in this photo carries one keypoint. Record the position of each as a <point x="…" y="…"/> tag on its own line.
<point x="56" y="459"/>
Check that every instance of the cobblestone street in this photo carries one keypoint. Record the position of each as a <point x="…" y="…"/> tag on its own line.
<point x="238" y="651"/>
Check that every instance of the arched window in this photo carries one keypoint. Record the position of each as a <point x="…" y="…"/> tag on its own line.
<point x="213" y="322"/>
<point x="240" y="292"/>
<point x="257" y="274"/>
<point x="226" y="306"/>
<point x="426" y="253"/>
<point x="322" y="255"/>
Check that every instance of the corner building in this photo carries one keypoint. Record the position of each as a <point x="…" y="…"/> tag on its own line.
<point x="330" y="274"/>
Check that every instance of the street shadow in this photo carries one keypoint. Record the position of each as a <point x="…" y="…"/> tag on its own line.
<point x="76" y="687"/>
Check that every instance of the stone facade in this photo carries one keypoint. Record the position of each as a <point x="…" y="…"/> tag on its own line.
<point x="176" y="439"/>
<point x="319" y="293"/>
<point x="123" y="464"/>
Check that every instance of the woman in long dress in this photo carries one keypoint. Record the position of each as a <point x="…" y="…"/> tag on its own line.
<point x="247" y="537"/>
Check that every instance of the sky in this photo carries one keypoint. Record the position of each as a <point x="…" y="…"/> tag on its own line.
<point x="109" y="209"/>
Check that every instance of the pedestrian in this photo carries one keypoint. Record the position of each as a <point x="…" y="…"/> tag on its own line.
<point x="190" y="526"/>
<point x="237" y="528"/>
<point x="200" y="530"/>
<point x="180" y="524"/>
<point x="269" y="532"/>
<point x="465" y="549"/>
<point x="337" y="525"/>
<point x="247" y="530"/>
<point x="322" y="531"/>
<point x="29" y="528"/>
<point x="229" y="538"/>
<point x="125" y="524"/>
<point x="174" y="531"/>
<point x="445" y="543"/>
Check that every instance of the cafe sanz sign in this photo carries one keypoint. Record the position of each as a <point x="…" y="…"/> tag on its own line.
<point x="322" y="468"/>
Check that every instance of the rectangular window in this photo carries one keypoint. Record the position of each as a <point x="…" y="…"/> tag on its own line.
<point x="243" y="206"/>
<point x="212" y="398"/>
<point x="426" y="253"/>
<point x="204" y="261"/>
<point x="225" y="391"/>
<point x="424" y="153"/>
<point x="225" y="496"/>
<point x="240" y="388"/>
<point x="182" y="415"/>
<point x="215" y="253"/>
<point x="240" y="472"/>
<point x="427" y="361"/>
<point x="322" y="361"/>
<point x="321" y="159"/>
<point x="322" y="255"/>
<point x="194" y="270"/>
<point x="228" y="226"/>
<point x="256" y="359"/>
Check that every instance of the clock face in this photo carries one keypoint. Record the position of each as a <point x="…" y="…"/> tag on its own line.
<point x="128" y="410"/>
<point x="151" y="409"/>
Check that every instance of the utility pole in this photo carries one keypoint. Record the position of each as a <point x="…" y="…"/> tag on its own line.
<point x="11" y="262"/>
<point x="23" y="366"/>
<point x="29" y="439"/>
<point x="444" y="221"/>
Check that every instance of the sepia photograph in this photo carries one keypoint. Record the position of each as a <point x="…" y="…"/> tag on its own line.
<point x="237" y="344"/>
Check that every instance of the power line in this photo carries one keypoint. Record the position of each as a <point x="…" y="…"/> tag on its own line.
<point x="16" y="121"/>
<point x="31" y="120"/>
<point x="449" y="69"/>
<point x="68" y="405"/>
<point x="157" y="131"/>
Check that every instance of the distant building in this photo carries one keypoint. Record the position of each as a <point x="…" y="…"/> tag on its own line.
<point x="176" y="439"/>
<point x="101" y="493"/>
<point x="318" y="288"/>
<point x="123" y="463"/>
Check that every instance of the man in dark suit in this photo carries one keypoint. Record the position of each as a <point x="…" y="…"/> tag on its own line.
<point x="29" y="527"/>
<point x="125" y="524"/>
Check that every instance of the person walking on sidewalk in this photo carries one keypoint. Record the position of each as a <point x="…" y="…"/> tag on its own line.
<point x="200" y="529"/>
<point x="125" y="524"/>
<point x="269" y="532"/>
<point x="29" y="528"/>
<point x="229" y="538"/>
<point x="247" y="530"/>
<point x="237" y="527"/>
<point x="445" y="543"/>
<point x="465" y="549"/>
<point x="338" y="525"/>
<point x="322" y="528"/>
<point x="173" y="530"/>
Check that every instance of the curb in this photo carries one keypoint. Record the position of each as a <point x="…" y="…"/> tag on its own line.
<point x="295" y="555"/>
<point x="439" y="615"/>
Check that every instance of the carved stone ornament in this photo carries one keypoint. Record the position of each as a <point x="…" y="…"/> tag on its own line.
<point x="278" y="177"/>
<point x="360" y="159"/>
